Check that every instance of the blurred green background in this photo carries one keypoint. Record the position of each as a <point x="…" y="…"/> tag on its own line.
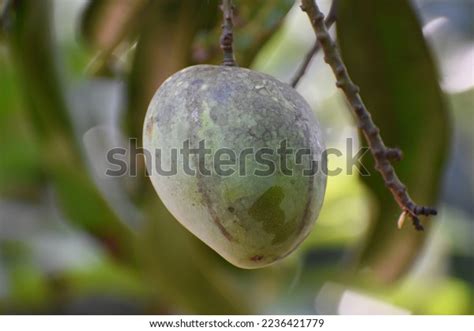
<point x="76" y="77"/>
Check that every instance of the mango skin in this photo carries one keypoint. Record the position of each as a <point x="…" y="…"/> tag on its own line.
<point x="252" y="221"/>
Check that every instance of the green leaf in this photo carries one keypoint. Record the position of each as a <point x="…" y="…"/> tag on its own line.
<point x="385" y="52"/>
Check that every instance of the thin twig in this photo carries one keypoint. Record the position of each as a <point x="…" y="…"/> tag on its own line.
<point x="227" y="36"/>
<point x="382" y="155"/>
<point x="329" y="21"/>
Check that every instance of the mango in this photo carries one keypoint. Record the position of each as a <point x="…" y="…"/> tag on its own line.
<point x="238" y="158"/>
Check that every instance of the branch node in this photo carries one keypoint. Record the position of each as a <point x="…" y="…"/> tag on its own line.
<point x="355" y="89"/>
<point x="417" y="224"/>
<point x="378" y="153"/>
<point x="340" y="70"/>
<point x="359" y="110"/>
<point x="374" y="131"/>
<point x="340" y="83"/>
<point x="426" y="211"/>
<point x="394" y="154"/>
<point x="319" y="17"/>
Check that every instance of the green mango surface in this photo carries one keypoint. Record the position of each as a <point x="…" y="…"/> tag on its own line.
<point x="248" y="213"/>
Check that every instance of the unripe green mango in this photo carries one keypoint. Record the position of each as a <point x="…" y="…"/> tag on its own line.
<point x="249" y="218"/>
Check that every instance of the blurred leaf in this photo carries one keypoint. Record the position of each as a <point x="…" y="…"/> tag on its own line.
<point x="452" y="297"/>
<point x="383" y="47"/>
<point x="448" y="296"/>
<point x="28" y="290"/>
<point x="19" y="166"/>
<point x="342" y="219"/>
<point x="106" y="24"/>
<point x="106" y="278"/>
<point x="33" y="51"/>
<point x="254" y="23"/>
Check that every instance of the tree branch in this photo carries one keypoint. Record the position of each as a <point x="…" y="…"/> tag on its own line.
<point x="227" y="36"/>
<point x="330" y="20"/>
<point x="382" y="155"/>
